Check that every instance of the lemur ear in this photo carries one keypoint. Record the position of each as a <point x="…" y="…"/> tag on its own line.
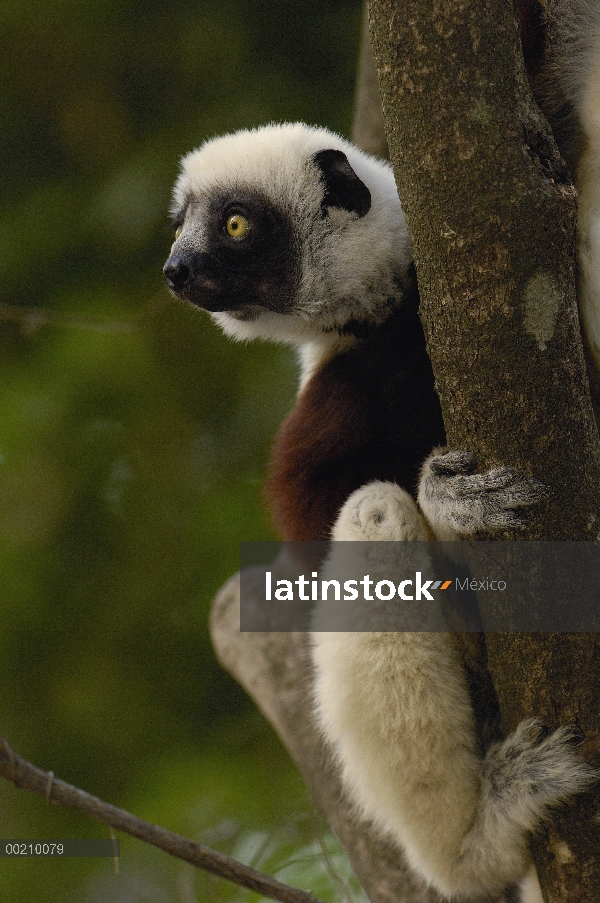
<point x="343" y="188"/>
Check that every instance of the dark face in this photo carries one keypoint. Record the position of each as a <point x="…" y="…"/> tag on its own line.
<point x="246" y="259"/>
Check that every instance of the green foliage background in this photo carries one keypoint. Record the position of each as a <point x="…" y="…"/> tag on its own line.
<point x="133" y="436"/>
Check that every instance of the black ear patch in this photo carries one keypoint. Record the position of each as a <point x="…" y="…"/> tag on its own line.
<point x="343" y="188"/>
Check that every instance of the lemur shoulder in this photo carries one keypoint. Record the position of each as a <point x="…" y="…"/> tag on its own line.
<point x="290" y="233"/>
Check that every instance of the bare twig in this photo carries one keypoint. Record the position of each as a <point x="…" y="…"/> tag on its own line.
<point x="27" y="776"/>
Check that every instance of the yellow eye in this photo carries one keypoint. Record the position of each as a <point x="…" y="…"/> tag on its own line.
<point x="237" y="225"/>
<point x="177" y="232"/>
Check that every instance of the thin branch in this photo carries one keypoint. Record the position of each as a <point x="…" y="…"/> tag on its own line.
<point x="27" y="776"/>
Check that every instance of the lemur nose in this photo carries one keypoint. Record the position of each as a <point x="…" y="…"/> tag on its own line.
<point x="177" y="272"/>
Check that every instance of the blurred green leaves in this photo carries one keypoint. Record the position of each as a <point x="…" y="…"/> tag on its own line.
<point x="133" y="435"/>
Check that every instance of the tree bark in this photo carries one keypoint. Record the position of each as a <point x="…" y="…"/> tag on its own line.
<point x="491" y="215"/>
<point x="368" y="131"/>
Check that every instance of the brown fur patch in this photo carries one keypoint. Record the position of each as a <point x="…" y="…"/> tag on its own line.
<point x="370" y="413"/>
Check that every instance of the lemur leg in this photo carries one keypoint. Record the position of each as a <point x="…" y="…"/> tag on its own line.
<point x="396" y="712"/>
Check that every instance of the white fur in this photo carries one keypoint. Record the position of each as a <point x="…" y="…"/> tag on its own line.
<point x="350" y="265"/>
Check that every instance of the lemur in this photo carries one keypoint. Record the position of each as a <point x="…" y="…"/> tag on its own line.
<point x="292" y="234"/>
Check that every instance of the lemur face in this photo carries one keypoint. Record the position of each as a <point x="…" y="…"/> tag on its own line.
<point x="236" y="252"/>
<point x="276" y="234"/>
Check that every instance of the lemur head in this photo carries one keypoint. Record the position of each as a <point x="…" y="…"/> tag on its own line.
<point x="287" y="232"/>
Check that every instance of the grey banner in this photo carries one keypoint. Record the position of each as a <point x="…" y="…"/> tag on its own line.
<point x="501" y="587"/>
<point x="59" y="849"/>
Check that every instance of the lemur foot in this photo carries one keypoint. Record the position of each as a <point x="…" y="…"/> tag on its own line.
<point x="523" y="777"/>
<point x="458" y="501"/>
<point x="532" y="771"/>
<point x="380" y="512"/>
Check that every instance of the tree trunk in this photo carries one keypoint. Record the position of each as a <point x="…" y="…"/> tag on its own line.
<point x="491" y="215"/>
